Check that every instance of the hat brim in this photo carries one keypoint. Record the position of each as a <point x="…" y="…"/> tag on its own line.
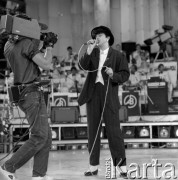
<point x="105" y="30"/>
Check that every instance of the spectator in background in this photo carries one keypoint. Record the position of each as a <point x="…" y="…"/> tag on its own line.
<point x="145" y="63"/>
<point x="134" y="78"/>
<point x="135" y="57"/>
<point x="63" y="84"/>
<point x="70" y="56"/>
<point x="55" y="73"/>
<point x="164" y="75"/>
<point x="169" y="48"/>
<point x="55" y="61"/>
<point x="75" y="61"/>
<point x="74" y="80"/>
<point x="118" y="47"/>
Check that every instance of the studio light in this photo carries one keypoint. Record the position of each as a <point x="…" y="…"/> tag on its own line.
<point x="164" y="132"/>
<point x="143" y="132"/>
<point x="55" y="133"/>
<point x="105" y="146"/>
<point x="174" y="144"/>
<point x="102" y="135"/>
<point x="145" y="145"/>
<point x="135" y="145"/>
<point x="84" y="146"/>
<point x="53" y="147"/>
<point x="74" y="147"/>
<point x="176" y="131"/>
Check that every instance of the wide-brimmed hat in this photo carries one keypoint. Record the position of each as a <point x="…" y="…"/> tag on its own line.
<point x="105" y="30"/>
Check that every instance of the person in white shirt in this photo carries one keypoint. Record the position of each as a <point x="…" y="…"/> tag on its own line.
<point x="134" y="78"/>
<point x="70" y="57"/>
<point x="164" y="75"/>
<point x="135" y="57"/>
<point x="74" y="80"/>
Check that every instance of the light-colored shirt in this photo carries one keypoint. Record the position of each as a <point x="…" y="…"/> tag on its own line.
<point x="72" y="79"/>
<point x="134" y="78"/>
<point x="103" y="56"/>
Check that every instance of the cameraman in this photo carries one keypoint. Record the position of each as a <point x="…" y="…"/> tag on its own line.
<point x="25" y="59"/>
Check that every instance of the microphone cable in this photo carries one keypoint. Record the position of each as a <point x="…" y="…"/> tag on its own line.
<point x="80" y="64"/>
<point x="105" y="98"/>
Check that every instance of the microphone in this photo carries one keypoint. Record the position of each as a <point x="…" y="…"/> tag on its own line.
<point x="91" y="41"/>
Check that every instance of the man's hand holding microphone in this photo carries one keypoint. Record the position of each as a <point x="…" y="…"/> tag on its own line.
<point x="91" y="44"/>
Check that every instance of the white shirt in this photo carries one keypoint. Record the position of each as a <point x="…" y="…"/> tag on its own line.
<point x="103" y="55"/>
<point x="134" y="78"/>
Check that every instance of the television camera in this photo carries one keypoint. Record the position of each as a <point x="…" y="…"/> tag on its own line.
<point x="24" y="26"/>
<point x="160" y="37"/>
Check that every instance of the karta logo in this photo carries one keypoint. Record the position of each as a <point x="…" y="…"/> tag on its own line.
<point x="130" y="101"/>
<point x="60" y="102"/>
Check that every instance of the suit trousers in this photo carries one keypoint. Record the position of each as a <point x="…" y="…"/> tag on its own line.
<point x="112" y="125"/>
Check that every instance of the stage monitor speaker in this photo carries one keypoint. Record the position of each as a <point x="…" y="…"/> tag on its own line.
<point x="157" y="101"/>
<point x="82" y="132"/>
<point x="68" y="133"/>
<point x="69" y="114"/>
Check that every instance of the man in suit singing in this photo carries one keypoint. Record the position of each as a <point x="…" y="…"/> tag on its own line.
<point x="107" y="68"/>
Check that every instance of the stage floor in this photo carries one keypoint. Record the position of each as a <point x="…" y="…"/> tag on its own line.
<point x="71" y="164"/>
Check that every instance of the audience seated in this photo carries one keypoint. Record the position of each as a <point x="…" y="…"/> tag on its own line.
<point x="165" y="76"/>
<point x="135" y="57"/>
<point x="69" y="58"/>
<point x="134" y="78"/>
<point x="74" y="80"/>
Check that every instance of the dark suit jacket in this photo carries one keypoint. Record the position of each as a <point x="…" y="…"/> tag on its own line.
<point x="121" y="74"/>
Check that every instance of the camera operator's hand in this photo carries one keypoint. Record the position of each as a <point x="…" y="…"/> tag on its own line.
<point x="49" y="39"/>
<point x="48" y="53"/>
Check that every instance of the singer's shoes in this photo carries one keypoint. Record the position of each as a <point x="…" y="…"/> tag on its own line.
<point x="91" y="173"/>
<point x="7" y="175"/>
<point x="124" y="175"/>
<point x="43" y="178"/>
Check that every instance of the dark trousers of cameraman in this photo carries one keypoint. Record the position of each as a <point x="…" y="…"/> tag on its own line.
<point x="39" y="143"/>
